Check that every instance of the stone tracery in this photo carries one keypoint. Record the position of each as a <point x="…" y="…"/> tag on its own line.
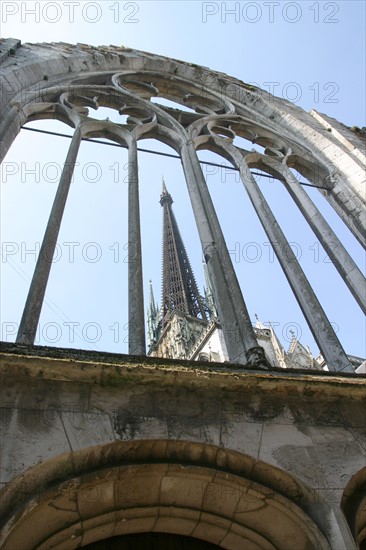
<point x="221" y="110"/>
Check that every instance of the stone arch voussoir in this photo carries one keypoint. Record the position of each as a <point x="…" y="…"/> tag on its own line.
<point x="185" y="488"/>
<point x="353" y="504"/>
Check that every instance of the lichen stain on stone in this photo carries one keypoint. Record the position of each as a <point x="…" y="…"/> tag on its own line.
<point x="126" y="425"/>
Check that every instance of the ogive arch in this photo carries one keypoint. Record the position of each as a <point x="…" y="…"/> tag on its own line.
<point x="353" y="505"/>
<point x="182" y="488"/>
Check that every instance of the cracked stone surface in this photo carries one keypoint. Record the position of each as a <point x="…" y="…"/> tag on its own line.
<point x="170" y="445"/>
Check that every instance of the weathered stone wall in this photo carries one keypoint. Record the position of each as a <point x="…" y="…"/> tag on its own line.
<point x="67" y="414"/>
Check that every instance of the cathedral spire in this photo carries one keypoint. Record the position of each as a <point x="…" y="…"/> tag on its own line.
<point x="186" y="326"/>
<point x="179" y="292"/>
<point x="153" y="316"/>
<point x="164" y="189"/>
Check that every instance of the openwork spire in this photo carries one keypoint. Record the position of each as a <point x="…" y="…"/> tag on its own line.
<point x="180" y="292"/>
<point x="153" y="317"/>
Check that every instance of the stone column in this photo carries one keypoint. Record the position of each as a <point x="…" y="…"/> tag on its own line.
<point x="339" y="256"/>
<point x="136" y="322"/>
<point x="239" y="335"/>
<point x="33" y="306"/>
<point x="314" y="314"/>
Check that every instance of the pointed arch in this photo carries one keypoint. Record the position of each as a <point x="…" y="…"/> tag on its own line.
<point x="186" y="488"/>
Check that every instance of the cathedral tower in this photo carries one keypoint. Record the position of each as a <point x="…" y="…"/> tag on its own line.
<point x="180" y="292"/>
<point x="186" y="321"/>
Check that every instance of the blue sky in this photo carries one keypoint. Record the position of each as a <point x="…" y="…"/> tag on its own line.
<point x="310" y="52"/>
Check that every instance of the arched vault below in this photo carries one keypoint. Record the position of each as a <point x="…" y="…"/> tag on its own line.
<point x="128" y="488"/>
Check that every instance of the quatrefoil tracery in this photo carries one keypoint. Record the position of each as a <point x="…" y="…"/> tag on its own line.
<point x="212" y="119"/>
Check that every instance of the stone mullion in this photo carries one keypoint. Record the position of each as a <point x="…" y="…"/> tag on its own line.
<point x="136" y="319"/>
<point x="339" y="256"/>
<point x="239" y="335"/>
<point x="314" y="314"/>
<point x="32" y="309"/>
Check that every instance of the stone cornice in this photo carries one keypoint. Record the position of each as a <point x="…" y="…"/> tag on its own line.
<point x="108" y="369"/>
